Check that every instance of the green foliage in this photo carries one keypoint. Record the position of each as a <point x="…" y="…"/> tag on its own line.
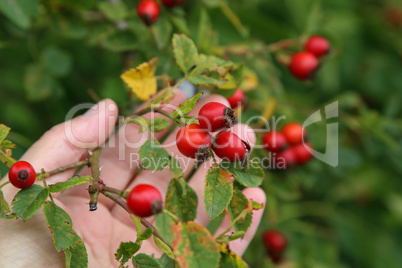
<point x="146" y="261"/>
<point x="126" y="251"/>
<point x="76" y="180"/>
<point x="181" y="200"/>
<point x="28" y="201"/>
<point x="153" y="156"/>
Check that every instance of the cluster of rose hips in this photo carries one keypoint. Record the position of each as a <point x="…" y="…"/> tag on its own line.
<point x="149" y="10"/>
<point x="288" y="145"/>
<point x="195" y="140"/>
<point x="304" y="65"/>
<point x="275" y="243"/>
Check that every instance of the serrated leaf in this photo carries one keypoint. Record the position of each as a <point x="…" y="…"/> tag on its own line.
<point x="5" y="209"/>
<point x="175" y="169"/>
<point x="4" y="130"/>
<point x="164" y="224"/>
<point x="183" y="206"/>
<point x="144" y="235"/>
<point x="229" y="260"/>
<point x="143" y="260"/>
<point x="76" y="180"/>
<point x="126" y="250"/>
<point x="185" y="52"/>
<point x="215" y="223"/>
<point x="251" y="176"/>
<point x="153" y="156"/>
<point x="162" y="246"/>
<point x="141" y="80"/>
<point x="60" y="225"/>
<point x="186" y="106"/>
<point x="194" y="246"/>
<point x="218" y="191"/>
<point x="237" y="204"/>
<point x="28" y="201"/>
<point x="76" y="255"/>
<point x="159" y="124"/>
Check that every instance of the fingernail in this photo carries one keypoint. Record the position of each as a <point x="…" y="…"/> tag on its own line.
<point x="91" y="111"/>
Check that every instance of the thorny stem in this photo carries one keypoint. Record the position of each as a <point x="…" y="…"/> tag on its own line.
<point x="122" y="203"/>
<point x="48" y="174"/>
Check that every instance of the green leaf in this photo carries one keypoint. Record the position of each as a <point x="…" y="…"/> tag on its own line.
<point x="159" y="124"/>
<point x="4" y="130"/>
<point x="175" y="170"/>
<point x="164" y="224"/>
<point x="218" y="191"/>
<point x="76" y="180"/>
<point x="194" y="246"/>
<point x="76" y="255"/>
<point x="126" y="251"/>
<point x="167" y="262"/>
<point x="215" y="223"/>
<point x="5" y="209"/>
<point x="60" y="225"/>
<point x="145" y="261"/>
<point x="162" y="246"/>
<point x="20" y="11"/>
<point x="144" y="235"/>
<point x="162" y="32"/>
<point x="56" y="61"/>
<point x="179" y="20"/>
<point x="153" y="156"/>
<point x="40" y="85"/>
<point x="186" y="106"/>
<point x="6" y="144"/>
<point x="114" y="10"/>
<point x="231" y="260"/>
<point x="28" y="201"/>
<point x="236" y="206"/>
<point x="185" y="52"/>
<point x="183" y="206"/>
<point x="251" y="176"/>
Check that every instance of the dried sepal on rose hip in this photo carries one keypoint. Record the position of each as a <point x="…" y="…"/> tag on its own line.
<point x="144" y="200"/>
<point x="148" y="11"/>
<point x="229" y="147"/>
<point x="22" y="174"/>
<point x="215" y="116"/>
<point x="194" y="142"/>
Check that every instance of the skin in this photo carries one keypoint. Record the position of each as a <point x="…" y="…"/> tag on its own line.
<point x="30" y="244"/>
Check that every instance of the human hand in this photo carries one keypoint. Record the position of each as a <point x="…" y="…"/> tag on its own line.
<point x="103" y="230"/>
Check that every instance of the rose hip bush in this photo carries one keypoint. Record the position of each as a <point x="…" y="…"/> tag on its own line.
<point x="277" y="63"/>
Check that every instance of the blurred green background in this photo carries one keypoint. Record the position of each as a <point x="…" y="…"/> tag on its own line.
<point x="53" y="52"/>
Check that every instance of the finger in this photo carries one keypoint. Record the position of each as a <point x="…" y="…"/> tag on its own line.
<point x="244" y="132"/>
<point x="70" y="141"/>
<point x="239" y="246"/>
<point x="161" y="179"/>
<point x="120" y="158"/>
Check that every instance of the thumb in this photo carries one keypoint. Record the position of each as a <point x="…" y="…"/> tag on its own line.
<point x="68" y="142"/>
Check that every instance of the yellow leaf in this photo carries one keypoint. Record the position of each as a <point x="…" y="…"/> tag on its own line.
<point x="230" y="82"/>
<point x="142" y="79"/>
<point x="250" y="80"/>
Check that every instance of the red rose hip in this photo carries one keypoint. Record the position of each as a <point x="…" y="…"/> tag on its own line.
<point x="229" y="147"/>
<point x="274" y="241"/>
<point x="294" y="133"/>
<point x="236" y="99"/>
<point x="215" y="116"/>
<point x="22" y="174"/>
<point x="285" y="160"/>
<point x="172" y="3"/>
<point x="303" y="65"/>
<point x="274" y="141"/>
<point x="317" y="45"/>
<point x="301" y="153"/>
<point x="144" y="200"/>
<point x="148" y="11"/>
<point x="194" y="142"/>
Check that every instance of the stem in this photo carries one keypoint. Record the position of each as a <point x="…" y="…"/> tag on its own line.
<point x="65" y="168"/>
<point x="45" y="184"/>
<point x="170" y="214"/>
<point x="281" y="45"/>
<point x="4" y="184"/>
<point x="122" y="203"/>
<point x="93" y="189"/>
<point x="114" y="191"/>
